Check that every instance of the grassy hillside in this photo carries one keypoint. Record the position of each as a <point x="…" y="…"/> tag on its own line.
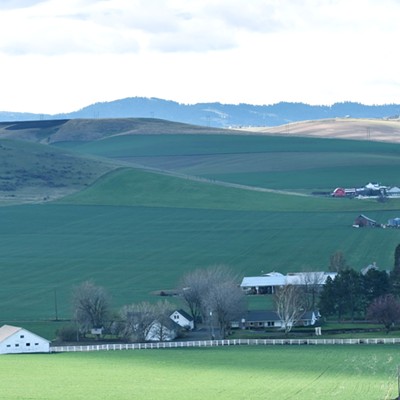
<point x="86" y="130"/>
<point x="345" y="372"/>
<point x="31" y="172"/>
<point x="138" y="230"/>
<point x="301" y="164"/>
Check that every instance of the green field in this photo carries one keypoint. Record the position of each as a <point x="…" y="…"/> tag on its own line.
<point x="303" y="373"/>
<point x="267" y="161"/>
<point x="137" y="231"/>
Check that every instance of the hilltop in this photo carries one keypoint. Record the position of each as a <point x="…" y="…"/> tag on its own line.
<point x="86" y="130"/>
<point x="49" y="159"/>
<point x="380" y="130"/>
<point x="217" y="114"/>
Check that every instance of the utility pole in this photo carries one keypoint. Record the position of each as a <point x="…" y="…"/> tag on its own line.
<point x="55" y="304"/>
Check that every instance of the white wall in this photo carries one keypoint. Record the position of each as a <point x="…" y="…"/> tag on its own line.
<point x="24" y="341"/>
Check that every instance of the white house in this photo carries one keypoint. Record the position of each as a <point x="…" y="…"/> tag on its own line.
<point x="260" y="319"/>
<point x="256" y="319"/>
<point x="183" y="319"/>
<point x="18" y="340"/>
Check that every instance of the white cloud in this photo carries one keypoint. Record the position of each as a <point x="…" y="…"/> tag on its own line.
<point x="59" y="55"/>
<point x="13" y="4"/>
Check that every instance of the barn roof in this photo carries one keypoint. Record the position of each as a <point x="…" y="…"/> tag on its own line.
<point x="8" y="330"/>
<point x="295" y="278"/>
<point x="263" y="280"/>
<point x="362" y="216"/>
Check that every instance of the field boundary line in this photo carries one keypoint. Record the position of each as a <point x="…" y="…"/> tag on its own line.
<point x="220" y="343"/>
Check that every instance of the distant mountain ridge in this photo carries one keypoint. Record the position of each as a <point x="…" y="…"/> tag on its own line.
<point x="217" y="114"/>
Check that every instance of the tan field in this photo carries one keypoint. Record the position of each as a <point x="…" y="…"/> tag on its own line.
<point x="379" y="130"/>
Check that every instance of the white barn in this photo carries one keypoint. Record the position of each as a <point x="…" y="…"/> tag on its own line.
<point x="18" y="340"/>
<point x="268" y="283"/>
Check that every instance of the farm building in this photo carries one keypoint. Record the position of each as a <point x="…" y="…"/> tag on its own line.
<point x="268" y="283"/>
<point x="261" y="319"/>
<point x="363" y="221"/>
<point x="183" y="319"/>
<point x="394" y="223"/>
<point x="18" y="340"/>
<point x="339" y="192"/>
<point x="163" y="331"/>
<point x="393" y="192"/>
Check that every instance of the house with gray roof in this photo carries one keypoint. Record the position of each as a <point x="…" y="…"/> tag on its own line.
<point x="264" y="319"/>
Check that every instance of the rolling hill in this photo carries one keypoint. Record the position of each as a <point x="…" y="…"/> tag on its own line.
<point x="380" y="130"/>
<point x="156" y="199"/>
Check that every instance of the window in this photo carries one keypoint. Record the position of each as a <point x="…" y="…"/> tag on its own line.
<point x="9" y="345"/>
<point x="36" y="344"/>
<point x="16" y="345"/>
<point x="21" y="336"/>
<point x="28" y="344"/>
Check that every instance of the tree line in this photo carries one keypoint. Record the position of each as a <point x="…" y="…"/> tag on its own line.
<point x="211" y="295"/>
<point x="373" y="295"/>
<point x="213" y="298"/>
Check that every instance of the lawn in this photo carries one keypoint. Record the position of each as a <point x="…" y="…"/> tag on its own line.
<point x="304" y="373"/>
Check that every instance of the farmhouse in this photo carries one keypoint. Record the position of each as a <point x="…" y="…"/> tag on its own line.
<point x="268" y="283"/>
<point x="261" y="319"/>
<point x="183" y="319"/>
<point x="18" y="340"/>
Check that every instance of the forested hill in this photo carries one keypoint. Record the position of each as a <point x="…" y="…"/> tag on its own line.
<point x="217" y="114"/>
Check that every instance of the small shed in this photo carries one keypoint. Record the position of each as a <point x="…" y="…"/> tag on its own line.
<point x="14" y="339"/>
<point x="363" y="221"/>
<point x="183" y="319"/>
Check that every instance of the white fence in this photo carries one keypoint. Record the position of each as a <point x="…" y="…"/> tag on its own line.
<point x="218" y="343"/>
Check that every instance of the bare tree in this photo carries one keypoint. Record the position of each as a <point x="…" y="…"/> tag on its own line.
<point x="137" y="320"/>
<point x="337" y="262"/>
<point x="224" y="302"/>
<point x="194" y="285"/>
<point x="162" y="324"/>
<point x="289" y="302"/>
<point x="91" y="306"/>
<point x="312" y="285"/>
<point x="212" y="292"/>
<point x="385" y="310"/>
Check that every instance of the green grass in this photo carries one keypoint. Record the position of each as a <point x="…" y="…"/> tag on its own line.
<point x="135" y="250"/>
<point x="266" y="161"/>
<point x="326" y="372"/>
<point x="136" y="232"/>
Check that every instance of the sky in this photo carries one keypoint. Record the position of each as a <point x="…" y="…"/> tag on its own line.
<point x="62" y="55"/>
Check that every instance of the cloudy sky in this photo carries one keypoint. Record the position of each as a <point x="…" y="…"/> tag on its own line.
<point x="61" y="55"/>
